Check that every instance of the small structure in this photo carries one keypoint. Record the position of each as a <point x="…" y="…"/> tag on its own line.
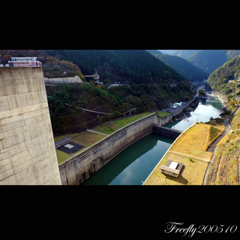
<point x="176" y="105"/>
<point x="95" y="76"/>
<point x="172" y="168"/>
<point x="62" y="142"/>
<point x="24" y="62"/>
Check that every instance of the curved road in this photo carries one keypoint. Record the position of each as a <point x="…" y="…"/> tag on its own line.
<point x="213" y="145"/>
<point x="227" y="128"/>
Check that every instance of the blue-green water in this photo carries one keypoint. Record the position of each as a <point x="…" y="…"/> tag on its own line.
<point x="133" y="165"/>
<point x="204" y="111"/>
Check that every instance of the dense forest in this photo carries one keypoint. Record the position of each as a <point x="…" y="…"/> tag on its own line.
<point x="184" y="67"/>
<point x="137" y="66"/>
<point x="114" y="100"/>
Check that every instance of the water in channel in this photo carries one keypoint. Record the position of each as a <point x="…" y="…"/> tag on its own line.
<point x="133" y="165"/>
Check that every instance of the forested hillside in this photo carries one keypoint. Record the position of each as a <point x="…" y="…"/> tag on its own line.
<point x="137" y="66"/>
<point x="209" y="60"/>
<point x="184" y="53"/>
<point x="114" y="100"/>
<point x="180" y="53"/>
<point x="230" y="70"/>
<point x="184" y="67"/>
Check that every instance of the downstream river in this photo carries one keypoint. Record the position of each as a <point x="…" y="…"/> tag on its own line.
<point x="133" y="165"/>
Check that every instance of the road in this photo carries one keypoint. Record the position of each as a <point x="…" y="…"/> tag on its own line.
<point x="227" y="128"/>
<point x="213" y="145"/>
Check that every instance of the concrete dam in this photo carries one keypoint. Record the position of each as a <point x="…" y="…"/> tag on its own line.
<point x="27" y="150"/>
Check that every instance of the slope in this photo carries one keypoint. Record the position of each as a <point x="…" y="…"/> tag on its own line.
<point x="136" y="66"/>
<point x="209" y="60"/>
<point x="218" y="80"/>
<point x="180" y="53"/>
<point x="184" y="67"/>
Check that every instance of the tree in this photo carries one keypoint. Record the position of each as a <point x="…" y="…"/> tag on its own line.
<point x="201" y="92"/>
<point x="232" y="103"/>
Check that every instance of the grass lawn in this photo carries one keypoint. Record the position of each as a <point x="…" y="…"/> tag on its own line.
<point x="192" y="142"/>
<point x="193" y="173"/>
<point x="110" y="127"/>
<point x="163" y="114"/>
<point x="85" y="139"/>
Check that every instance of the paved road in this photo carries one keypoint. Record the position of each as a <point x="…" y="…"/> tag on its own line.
<point x="227" y="128"/>
<point x="213" y="145"/>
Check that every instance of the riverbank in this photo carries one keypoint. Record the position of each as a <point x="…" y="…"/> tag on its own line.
<point x="222" y="97"/>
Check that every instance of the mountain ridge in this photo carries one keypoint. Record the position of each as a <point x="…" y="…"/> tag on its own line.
<point x="184" y="67"/>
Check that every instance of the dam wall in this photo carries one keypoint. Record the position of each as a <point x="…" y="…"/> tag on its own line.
<point x="27" y="150"/>
<point x="167" y="132"/>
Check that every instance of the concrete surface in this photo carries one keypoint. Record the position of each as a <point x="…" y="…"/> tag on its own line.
<point x="27" y="150"/>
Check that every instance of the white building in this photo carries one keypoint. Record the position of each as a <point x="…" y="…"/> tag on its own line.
<point x="24" y="62"/>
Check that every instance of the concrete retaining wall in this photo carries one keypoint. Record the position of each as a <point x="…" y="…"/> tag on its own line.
<point x="78" y="168"/>
<point x="168" y="132"/>
<point x="75" y="79"/>
<point x="27" y="150"/>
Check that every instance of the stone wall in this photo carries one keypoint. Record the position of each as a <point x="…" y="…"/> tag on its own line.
<point x="27" y="150"/>
<point x="75" y="79"/>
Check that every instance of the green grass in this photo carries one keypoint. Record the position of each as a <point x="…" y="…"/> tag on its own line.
<point x="163" y="114"/>
<point x="62" y="156"/>
<point x="110" y="127"/>
<point x="85" y="139"/>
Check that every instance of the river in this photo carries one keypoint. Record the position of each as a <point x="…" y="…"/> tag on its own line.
<point x="133" y="165"/>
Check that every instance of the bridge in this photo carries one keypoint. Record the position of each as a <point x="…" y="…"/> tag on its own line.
<point x="168" y="132"/>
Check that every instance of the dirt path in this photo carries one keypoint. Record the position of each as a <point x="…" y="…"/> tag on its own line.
<point x="190" y="156"/>
<point x="97" y="132"/>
